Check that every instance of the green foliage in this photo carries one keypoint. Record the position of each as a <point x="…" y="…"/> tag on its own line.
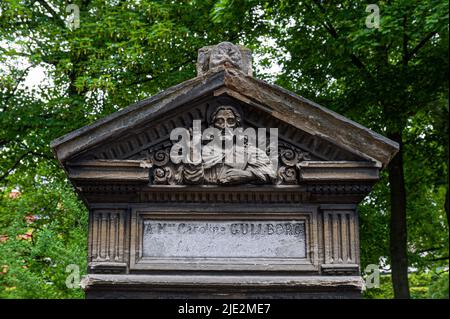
<point x="374" y="224"/>
<point x="122" y="52"/>
<point x="43" y="231"/>
<point x="393" y="79"/>
<point x="384" y="291"/>
<point x="390" y="79"/>
<point x="422" y="286"/>
<point x="439" y="287"/>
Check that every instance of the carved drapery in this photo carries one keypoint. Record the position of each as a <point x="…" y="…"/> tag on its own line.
<point x="164" y="172"/>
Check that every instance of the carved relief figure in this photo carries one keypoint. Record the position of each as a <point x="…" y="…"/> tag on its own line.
<point x="225" y="52"/>
<point x="250" y="164"/>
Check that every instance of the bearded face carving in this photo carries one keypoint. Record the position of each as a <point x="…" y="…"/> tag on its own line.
<point x="250" y="164"/>
<point x="229" y="156"/>
<point x="225" y="117"/>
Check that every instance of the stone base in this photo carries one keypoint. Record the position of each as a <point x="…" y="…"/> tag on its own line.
<point x="221" y="286"/>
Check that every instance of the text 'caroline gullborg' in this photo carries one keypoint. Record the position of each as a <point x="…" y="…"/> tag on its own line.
<point x="239" y="147"/>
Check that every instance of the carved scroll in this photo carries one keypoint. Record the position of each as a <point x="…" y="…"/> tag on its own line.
<point x="164" y="172"/>
<point x="289" y="157"/>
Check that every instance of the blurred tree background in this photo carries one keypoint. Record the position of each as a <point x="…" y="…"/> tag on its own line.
<point x="392" y="78"/>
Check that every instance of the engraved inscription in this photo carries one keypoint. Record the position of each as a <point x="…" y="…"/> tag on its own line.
<point x="222" y="239"/>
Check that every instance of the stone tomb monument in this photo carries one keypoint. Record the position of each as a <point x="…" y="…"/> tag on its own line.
<point x="277" y="221"/>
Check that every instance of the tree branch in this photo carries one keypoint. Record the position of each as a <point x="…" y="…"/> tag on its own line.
<point x="333" y="32"/>
<point x="429" y="249"/>
<point x="405" y="42"/>
<point x="50" y="10"/>
<point x="17" y="162"/>
<point x="188" y="59"/>
<point x="421" y="44"/>
<point x="13" y="91"/>
<point x="439" y="259"/>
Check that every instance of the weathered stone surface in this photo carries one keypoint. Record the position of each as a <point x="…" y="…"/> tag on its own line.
<point x="192" y="281"/>
<point x="226" y="54"/>
<point x="225" y="239"/>
<point x="241" y="163"/>
<point x="279" y="103"/>
<point x="224" y="286"/>
<point x="210" y="229"/>
<point x="203" y="237"/>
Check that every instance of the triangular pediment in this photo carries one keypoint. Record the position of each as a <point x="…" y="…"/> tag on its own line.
<point x="141" y="142"/>
<point x="306" y="125"/>
<point x="310" y="137"/>
<point x="150" y="144"/>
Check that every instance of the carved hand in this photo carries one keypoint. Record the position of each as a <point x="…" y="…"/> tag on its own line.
<point x="234" y="175"/>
